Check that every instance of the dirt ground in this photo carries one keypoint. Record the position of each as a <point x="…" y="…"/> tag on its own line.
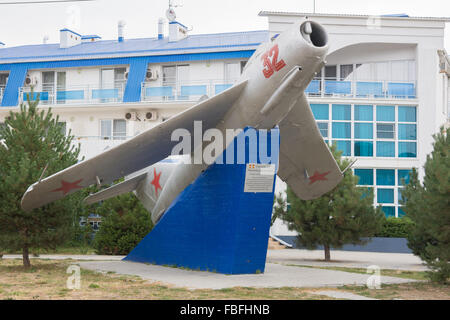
<point x="47" y="280"/>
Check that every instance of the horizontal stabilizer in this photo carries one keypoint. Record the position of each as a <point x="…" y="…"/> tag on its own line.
<point x="118" y="189"/>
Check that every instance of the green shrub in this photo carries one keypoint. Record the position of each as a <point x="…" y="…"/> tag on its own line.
<point x="125" y="222"/>
<point x="396" y="228"/>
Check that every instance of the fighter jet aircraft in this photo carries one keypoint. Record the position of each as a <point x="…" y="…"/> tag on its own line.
<point x="269" y="93"/>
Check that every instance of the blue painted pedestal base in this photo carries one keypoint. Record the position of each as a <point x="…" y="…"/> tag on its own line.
<point x="214" y="225"/>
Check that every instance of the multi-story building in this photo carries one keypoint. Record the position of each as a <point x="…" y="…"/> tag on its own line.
<point x="107" y="91"/>
<point x="381" y="96"/>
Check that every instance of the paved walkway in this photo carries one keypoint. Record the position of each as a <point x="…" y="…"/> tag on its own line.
<point x="275" y="276"/>
<point x="349" y="259"/>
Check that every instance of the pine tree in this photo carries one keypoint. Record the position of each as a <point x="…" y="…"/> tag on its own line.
<point x="344" y="215"/>
<point x="428" y="205"/>
<point x="33" y="145"/>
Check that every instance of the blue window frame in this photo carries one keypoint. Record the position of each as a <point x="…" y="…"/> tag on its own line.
<point x="407" y="150"/>
<point x="320" y="111"/>
<point x="385" y="195"/>
<point x="342" y="130"/>
<point x="364" y="113"/>
<point x="342" y="112"/>
<point x="365" y="177"/>
<point x="363" y="148"/>
<point x="407" y="132"/>
<point x="386" y="113"/>
<point x="345" y="147"/>
<point x="363" y="130"/>
<point x="407" y="114"/>
<point x="385" y="177"/>
<point x="385" y="149"/>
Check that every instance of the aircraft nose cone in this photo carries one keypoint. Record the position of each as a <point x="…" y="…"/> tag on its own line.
<point x="314" y="34"/>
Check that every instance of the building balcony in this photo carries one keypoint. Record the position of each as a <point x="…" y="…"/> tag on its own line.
<point x="361" y="89"/>
<point x="183" y="91"/>
<point x="192" y="91"/>
<point x="75" y="95"/>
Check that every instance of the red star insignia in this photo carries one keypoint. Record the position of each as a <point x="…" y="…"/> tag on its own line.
<point x="155" y="181"/>
<point x="318" y="177"/>
<point x="66" y="187"/>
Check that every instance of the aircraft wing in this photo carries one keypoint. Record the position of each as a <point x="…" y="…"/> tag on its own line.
<point x="139" y="152"/>
<point x="306" y="163"/>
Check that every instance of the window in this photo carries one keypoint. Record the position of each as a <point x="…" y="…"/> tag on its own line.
<point x="363" y="130"/>
<point x="385" y="149"/>
<point x="385" y="195"/>
<point x="385" y="131"/>
<point x="387" y="186"/>
<point x="344" y="146"/>
<point x="407" y="114"/>
<point x="363" y="149"/>
<point x="62" y="125"/>
<point x="341" y="112"/>
<point x="385" y="177"/>
<point x="364" y="113"/>
<point x="243" y="64"/>
<point x="346" y="71"/>
<point x="386" y="113"/>
<point x="320" y="111"/>
<point x="407" y="149"/>
<point x="342" y="130"/>
<point x="3" y="79"/>
<point x="323" y="128"/>
<point x="369" y="130"/>
<point x="232" y="71"/>
<point x="113" y="129"/>
<point x="52" y="83"/>
<point x="407" y="132"/>
<point x="330" y="72"/>
<point x="365" y="177"/>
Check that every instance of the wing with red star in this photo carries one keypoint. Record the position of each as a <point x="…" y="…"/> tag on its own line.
<point x="306" y="163"/>
<point x="133" y="155"/>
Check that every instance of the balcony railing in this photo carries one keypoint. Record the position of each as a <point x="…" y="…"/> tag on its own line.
<point x="88" y="94"/>
<point x="192" y="91"/>
<point x="361" y="89"/>
<point x="183" y="90"/>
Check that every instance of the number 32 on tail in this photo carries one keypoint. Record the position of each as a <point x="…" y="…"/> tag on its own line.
<point x="271" y="63"/>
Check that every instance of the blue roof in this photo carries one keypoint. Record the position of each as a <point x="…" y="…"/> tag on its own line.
<point x="220" y="42"/>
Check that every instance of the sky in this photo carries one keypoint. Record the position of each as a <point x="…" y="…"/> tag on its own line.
<point x="30" y="23"/>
